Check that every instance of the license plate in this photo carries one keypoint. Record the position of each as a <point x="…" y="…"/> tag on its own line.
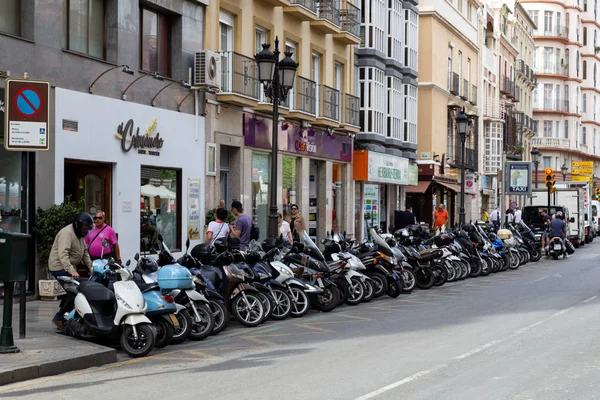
<point x="174" y="320"/>
<point x="557" y="247"/>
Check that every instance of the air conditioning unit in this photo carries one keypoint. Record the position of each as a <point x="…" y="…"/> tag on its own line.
<point x="207" y="69"/>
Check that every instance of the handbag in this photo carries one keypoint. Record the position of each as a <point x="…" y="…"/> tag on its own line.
<point x="217" y="235"/>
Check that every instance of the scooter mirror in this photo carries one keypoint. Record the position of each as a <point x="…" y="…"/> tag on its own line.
<point x="160" y="238"/>
<point x="187" y="243"/>
<point x="128" y="263"/>
<point x="137" y="257"/>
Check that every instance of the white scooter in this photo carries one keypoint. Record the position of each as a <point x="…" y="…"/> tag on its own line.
<point x="96" y="314"/>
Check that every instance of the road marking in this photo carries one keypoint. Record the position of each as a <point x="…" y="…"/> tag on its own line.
<point x="395" y="385"/>
<point x="478" y="349"/>
<point x="589" y="299"/>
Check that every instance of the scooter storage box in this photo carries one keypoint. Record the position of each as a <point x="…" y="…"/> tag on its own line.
<point x="202" y="252"/>
<point x="504" y="234"/>
<point x="171" y="277"/>
<point x="443" y="240"/>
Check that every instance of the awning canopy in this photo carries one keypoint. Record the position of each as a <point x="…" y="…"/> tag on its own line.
<point x="451" y="186"/>
<point x="420" y="188"/>
<point x="160" y="191"/>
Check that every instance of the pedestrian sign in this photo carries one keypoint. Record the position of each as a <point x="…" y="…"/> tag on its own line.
<point x="575" y="164"/>
<point x="582" y="179"/>
<point x="582" y="171"/>
<point x="27" y="115"/>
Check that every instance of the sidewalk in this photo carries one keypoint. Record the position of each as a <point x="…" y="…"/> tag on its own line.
<point x="44" y="352"/>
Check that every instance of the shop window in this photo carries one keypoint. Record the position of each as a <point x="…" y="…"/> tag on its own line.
<point x="211" y="159"/>
<point x="160" y="198"/>
<point x="289" y="182"/>
<point x="10" y="17"/>
<point x="10" y="190"/>
<point x="86" y="27"/>
<point x="155" y="45"/>
<point x="260" y="192"/>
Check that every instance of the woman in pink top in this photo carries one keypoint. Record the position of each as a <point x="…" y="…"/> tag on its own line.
<point x="102" y="231"/>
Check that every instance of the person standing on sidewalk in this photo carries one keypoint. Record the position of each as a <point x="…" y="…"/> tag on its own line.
<point x="518" y="215"/>
<point x="68" y="252"/>
<point x="243" y="225"/>
<point x="102" y="231"/>
<point x="440" y="218"/>
<point x="297" y="223"/>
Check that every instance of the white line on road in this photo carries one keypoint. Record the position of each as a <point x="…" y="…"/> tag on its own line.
<point x="469" y="353"/>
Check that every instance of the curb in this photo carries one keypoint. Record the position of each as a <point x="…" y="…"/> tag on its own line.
<point x="103" y="355"/>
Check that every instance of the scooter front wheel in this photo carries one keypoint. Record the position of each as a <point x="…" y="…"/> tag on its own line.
<point x="185" y="327"/>
<point x="203" y="328"/>
<point x="248" y="313"/>
<point x="221" y="316"/>
<point x="141" y="345"/>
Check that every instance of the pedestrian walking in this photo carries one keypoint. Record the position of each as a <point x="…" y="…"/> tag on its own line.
<point x="495" y="218"/>
<point x="296" y="221"/>
<point x="518" y="215"/>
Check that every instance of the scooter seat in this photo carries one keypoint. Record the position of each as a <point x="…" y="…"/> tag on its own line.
<point x="94" y="291"/>
<point x="429" y="254"/>
<point x="148" y="287"/>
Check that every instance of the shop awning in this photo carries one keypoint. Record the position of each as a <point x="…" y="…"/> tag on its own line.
<point x="451" y="186"/>
<point x="420" y="188"/>
<point x="160" y="191"/>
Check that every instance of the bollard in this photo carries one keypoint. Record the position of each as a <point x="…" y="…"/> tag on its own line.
<point x="7" y="344"/>
<point x="22" y="310"/>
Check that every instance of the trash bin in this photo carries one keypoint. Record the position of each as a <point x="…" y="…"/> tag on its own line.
<point x="14" y="253"/>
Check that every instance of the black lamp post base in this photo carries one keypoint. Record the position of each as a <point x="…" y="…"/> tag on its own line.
<point x="6" y="338"/>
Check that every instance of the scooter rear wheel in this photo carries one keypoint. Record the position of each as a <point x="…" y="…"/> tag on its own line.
<point x="250" y="314"/>
<point x="140" y="346"/>
<point x="164" y="333"/>
<point x="221" y="316"/>
<point x="184" y="329"/>
<point x="300" y="302"/>
<point x="203" y="328"/>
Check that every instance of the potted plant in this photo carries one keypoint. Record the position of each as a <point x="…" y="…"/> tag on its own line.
<point x="517" y="149"/>
<point x="597" y="49"/>
<point x="48" y="223"/>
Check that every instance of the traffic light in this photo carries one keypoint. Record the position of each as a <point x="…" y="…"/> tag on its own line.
<point x="597" y="193"/>
<point x="549" y="179"/>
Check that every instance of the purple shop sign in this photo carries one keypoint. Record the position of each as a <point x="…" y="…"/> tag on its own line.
<point x="294" y="139"/>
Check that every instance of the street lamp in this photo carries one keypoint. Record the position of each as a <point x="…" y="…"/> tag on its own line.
<point x="564" y="170"/>
<point x="463" y="123"/>
<point x="278" y="78"/>
<point x="535" y="156"/>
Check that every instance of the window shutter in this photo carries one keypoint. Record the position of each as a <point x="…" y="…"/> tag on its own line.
<point x="226" y="17"/>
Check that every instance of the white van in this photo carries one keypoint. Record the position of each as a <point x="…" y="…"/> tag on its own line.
<point x="595" y="220"/>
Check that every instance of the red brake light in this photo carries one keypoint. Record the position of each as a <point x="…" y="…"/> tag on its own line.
<point x="169" y="299"/>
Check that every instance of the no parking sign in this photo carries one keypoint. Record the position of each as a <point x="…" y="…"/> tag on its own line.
<point x="27" y="115"/>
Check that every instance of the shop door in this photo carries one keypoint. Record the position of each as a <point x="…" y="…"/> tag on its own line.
<point x="89" y="184"/>
<point x="312" y="220"/>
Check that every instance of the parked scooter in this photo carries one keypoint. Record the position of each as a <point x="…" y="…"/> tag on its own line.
<point x="556" y="248"/>
<point x="99" y="312"/>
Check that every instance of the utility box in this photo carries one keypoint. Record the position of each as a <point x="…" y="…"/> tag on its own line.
<point x="14" y="256"/>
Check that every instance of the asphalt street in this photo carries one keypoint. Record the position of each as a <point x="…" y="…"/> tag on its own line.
<point x="525" y="334"/>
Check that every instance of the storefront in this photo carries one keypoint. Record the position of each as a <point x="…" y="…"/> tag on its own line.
<point x="379" y="189"/>
<point x="144" y="166"/>
<point x="315" y="173"/>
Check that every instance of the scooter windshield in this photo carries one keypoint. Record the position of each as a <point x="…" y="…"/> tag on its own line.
<point x="381" y="244"/>
<point x="310" y="248"/>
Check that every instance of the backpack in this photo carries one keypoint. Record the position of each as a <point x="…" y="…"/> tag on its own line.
<point x="254" y="232"/>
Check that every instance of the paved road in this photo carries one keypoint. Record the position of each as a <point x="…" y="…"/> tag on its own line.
<point x="525" y="334"/>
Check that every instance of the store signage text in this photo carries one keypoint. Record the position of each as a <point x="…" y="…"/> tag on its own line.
<point x="387" y="168"/>
<point x="143" y="143"/>
<point x="305" y="145"/>
<point x="389" y="173"/>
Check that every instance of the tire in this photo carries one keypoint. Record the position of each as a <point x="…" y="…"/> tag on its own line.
<point x="344" y="289"/>
<point x="475" y="269"/>
<point x="326" y="301"/>
<point x="144" y="343"/>
<point x="267" y="306"/>
<point x="369" y="291"/>
<point x="184" y="329"/>
<point x="203" y="328"/>
<point x="576" y="245"/>
<point x="451" y="272"/>
<point x="282" y="307"/>
<point x="300" y="302"/>
<point x="164" y="332"/>
<point x="424" y="278"/>
<point x="485" y="267"/>
<point x="356" y="293"/>
<point x="515" y="261"/>
<point x="536" y="254"/>
<point x="555" y="256"/>
<point x="380" y="282"/>
<point x="250" y="314"/>
<point x="442" y="278"/>
<point x="221" y="316"/>
<point x="395" y="288"/>
<point x="505" y="262"/>
<point x="409" y="281"/>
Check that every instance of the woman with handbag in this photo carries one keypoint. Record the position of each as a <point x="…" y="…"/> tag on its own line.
<point x="217" y="228"/>
<point x="101" y="231"/>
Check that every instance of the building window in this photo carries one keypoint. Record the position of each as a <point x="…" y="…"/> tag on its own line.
<point x="584" y="69"/>
<point x="395" y="30"/>
<point x="395" y="108"/>
<point x="339" y="197"/>
<point x="372" y="100"/>
<point x="547" y="162"/>
<point x="10" y="17"/>
<point x="459" y="69"/>
<point x="260" y="37"/>
<point x="583" y="135"/>
<point x="534" y="14"/>
<point x="449" y="67"/>
<point x="374" y="16"/>
<point x="290" y="182"/>
<point x="86" y="27"/>
<point x="547" y="128"/>
<point x="548" y="23"/>
<point x="156" y="40"/>
<point x="469" y="12"/>
<point x="410" y="113"/>
<point x="161" y="193"/>
<point x="585" y="36"/>
<point x="584" y="102"/>
<point x="411" y="40"/>
<point x="493" y="147"/>
<point x="260" y="191"/>
<point x="566" y="132"/>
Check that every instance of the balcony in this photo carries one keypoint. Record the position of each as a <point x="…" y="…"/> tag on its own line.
<point x="508" y="87"/>
<point x="582" y="146"/>
<point x="328" y="17"/>
<point x="551" y="105"/>
<point x="554" y="68"/>
<point x="557" y="32"/>
<point x="329" y="107"/>
<point x="278" y="3"/>
<point x="550" y="143"/>
<point x="525" y="71"/>
<point x="473" y="98"/>
<point x="350" y="33"/>
<point x="491" y="109"/>
<point x="465" y="90"/>
<point x="239" y="80"/>
<point x="303" y="100"/>
<point x="351" y="107"/>
<point x="304" y="10"/>
<point x="454" y="83"/>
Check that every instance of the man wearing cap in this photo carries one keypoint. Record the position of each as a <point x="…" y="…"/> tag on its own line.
<point x="243" y="225"/>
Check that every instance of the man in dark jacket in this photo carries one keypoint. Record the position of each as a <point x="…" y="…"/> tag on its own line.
<point x="405" y="218"/>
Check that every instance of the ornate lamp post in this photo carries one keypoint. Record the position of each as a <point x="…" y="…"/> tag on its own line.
<point x="463" y="123"/>
<point x="535" y="157"/>
<point x="277" y="77"/>
<point x="564" y="170"/>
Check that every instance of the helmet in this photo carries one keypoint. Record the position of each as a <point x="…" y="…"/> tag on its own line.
<point x="82" y="223"/>
<point x="559" y="214"/>
<point x="147" y="265"/>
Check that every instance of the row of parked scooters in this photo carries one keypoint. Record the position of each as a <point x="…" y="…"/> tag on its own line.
<point x="164" y="301"/>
